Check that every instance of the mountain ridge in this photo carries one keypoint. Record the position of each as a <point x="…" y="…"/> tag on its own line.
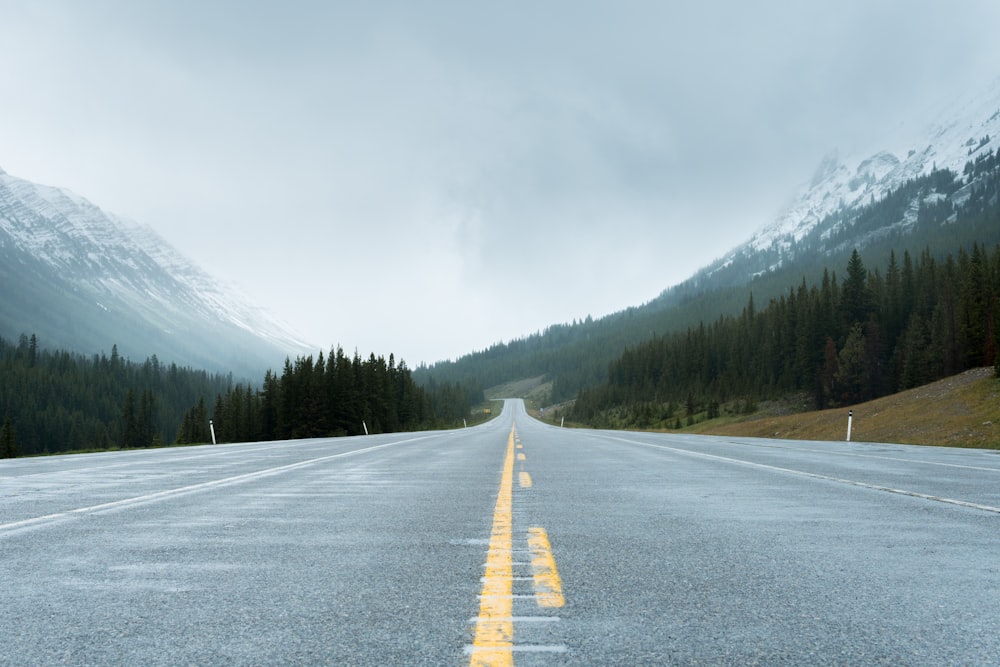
<point x="84" y="279"/>
<point x="960" y="133"/>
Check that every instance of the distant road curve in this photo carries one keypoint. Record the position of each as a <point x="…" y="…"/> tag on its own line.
<point x="509" y="543"/>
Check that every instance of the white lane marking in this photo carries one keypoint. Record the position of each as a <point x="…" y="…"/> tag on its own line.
<point x="159" y="495"/>
<point x="744" y="443"/>
<point x="748" y="442"/>
<point x="928" y="463"/>
<point x="154" y="458"/>
<point x="518" y="648"/>
<point x="865" y="485"/>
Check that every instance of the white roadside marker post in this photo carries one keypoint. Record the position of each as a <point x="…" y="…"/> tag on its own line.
<point x="211" y="427"/>
<point x="850" y="418"/>
<point x="364" y="426"/>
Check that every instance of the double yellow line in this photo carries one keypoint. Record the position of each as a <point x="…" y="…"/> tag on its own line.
<point x="493" y="645"/>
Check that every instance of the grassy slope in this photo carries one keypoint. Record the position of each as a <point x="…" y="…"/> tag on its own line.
<point x="960" y="411"/>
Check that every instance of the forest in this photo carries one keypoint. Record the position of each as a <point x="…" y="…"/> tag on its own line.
<point x="874" y="333"/>
<point x="329" y="396"/>
<point x="57" y="401"/>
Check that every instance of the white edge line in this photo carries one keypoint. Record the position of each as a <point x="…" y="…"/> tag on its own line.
<point x="865" y="485"/>
<point x="159" y="495"/>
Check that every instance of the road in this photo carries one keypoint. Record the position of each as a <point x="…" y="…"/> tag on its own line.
<point x="509" y="543"/>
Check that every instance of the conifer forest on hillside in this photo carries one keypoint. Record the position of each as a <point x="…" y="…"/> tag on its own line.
<point x="874" y="333"/>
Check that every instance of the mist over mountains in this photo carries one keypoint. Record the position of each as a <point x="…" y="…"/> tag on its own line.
<point x="82" y="279"/>
<point x="822" y="218"/>
<point x="942" y="194"/>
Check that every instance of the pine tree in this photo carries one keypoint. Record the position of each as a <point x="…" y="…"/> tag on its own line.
<point x="851" y="367"/>
<point x="32" y="351"/>
<point x="220" y="420"/>
<point x="973" y="313"/>
<point x="130" y="423"/>
<point x="270" y="400"/>
<point x="146" y="419"/>
<point x="829" y="375"/>
<point x="195" y="429"/>
<point x="855" y="296"/>
<point x="8" y="445"/>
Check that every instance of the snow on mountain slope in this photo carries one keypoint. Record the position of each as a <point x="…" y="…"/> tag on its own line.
<point x="102" y="260"/>
<point x="226" y="301"/>
<point x="963" y="130"/>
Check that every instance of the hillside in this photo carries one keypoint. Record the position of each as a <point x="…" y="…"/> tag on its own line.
<point x="950" y="211"/>
<point x="82" y="279"/>
<point x="944" y="193"/>
<point x="959" y="411"/>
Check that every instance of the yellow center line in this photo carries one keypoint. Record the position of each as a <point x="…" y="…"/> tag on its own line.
<point x="524" y="480"/>
<point x="494" y="642"/>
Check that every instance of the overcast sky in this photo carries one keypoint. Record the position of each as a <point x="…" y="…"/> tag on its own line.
<point x="428" y="178"/>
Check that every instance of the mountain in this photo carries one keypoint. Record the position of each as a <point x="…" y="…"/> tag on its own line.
<point x="941" y="195"/>
<point x="822" y="217"/>
<point x="83" y="279"/>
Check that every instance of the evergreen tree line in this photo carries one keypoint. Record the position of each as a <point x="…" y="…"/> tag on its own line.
<point x="871" y="334"/>
<point x="56" y="401"/>
<point x="334" y="395"/>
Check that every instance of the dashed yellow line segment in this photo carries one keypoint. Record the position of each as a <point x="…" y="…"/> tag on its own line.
<point x="494" y="641"/>
<point x="548" y="585"/>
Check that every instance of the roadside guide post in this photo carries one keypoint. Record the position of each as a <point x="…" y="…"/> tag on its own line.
<point x="850" y="418"/>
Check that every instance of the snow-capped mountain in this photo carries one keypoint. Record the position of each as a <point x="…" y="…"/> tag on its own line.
<point x="962" y="132"/>
<point x="84" y="279"/>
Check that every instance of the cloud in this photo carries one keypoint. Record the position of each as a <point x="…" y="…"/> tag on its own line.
<point x="428" y="178"/>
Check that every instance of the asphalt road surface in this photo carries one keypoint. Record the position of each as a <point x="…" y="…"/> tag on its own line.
<point x="509" y="543"/>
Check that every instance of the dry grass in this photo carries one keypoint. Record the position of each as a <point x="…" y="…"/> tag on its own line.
<point x="516" y="389"/>
<point x="960" y="411"/>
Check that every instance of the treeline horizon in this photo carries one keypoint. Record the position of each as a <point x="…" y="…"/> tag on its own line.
<point x="329" y="396"/>
<point x="55" y="401"/>
<point x="871" y="335"/>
